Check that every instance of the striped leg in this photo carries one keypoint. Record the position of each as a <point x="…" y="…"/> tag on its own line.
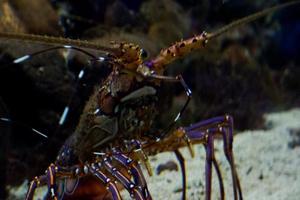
<point x="48" y="179"/>
<point x="107" y="181"/>
<point x="135" y="171"/>
<point x="133" y="190"/>
<point x="33" y="185"/>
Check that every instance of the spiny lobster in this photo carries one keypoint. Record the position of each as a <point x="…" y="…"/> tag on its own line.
<point x="116" y="129"/>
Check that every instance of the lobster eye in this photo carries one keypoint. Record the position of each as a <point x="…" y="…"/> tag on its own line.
<point x="143" y="54"/>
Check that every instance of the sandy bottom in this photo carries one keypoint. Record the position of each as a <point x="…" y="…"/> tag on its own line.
<point x="268" y="164"/>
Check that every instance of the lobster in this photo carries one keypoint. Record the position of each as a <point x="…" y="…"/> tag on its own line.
<point x="117" y="128"/>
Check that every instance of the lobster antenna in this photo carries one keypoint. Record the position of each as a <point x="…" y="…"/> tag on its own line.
<point x="249" y="18"/>
<point x="180" y="49"/>
<point x="56" y="41"/>
<point x="8" y="120"/>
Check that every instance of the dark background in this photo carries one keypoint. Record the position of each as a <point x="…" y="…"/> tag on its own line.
<point x="247" y="72"/>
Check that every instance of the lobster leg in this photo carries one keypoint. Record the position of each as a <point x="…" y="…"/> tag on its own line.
<point x="206" y="130"/>
<point x="209" y="148"/>
<point x="48" y="179"/>
<point x="229" y="156"/>
<point x="110" y="185"/>
<point x="210" y="159"/>
<point x="51" y="177"/>
<point x="133" y="190"/>
<point x="33" y="185"/>
<point x="221" y="185"/>
<point x="180" y="158"/>
<point x="135" y="171"/>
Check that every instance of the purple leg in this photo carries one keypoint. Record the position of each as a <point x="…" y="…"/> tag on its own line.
<point x="180" y="158"/>
<point x="33" y="185"/>
<point x="110" y="185"/>
<point x="210" y="159"/>
<point x="229" y="156"/>
<point x="133" y="190"/>
<point x="206" y="130"/>
<point x="221" y="185"/>
<point x="209" y="148"/>
<point x="51" y="181"/>
<point x="48" y="179"/>
<point x="135" y="170"/>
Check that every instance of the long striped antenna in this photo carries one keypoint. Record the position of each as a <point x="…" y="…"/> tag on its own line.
<point x="56" y="41"/>
<point x="249" y="18"/>
<point x="8" y="120"/>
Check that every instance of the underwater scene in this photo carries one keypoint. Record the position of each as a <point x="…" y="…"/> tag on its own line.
<point x="162" y="99"/>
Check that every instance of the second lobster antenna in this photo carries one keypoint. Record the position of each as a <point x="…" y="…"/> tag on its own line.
<point x="79" y="77"/>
